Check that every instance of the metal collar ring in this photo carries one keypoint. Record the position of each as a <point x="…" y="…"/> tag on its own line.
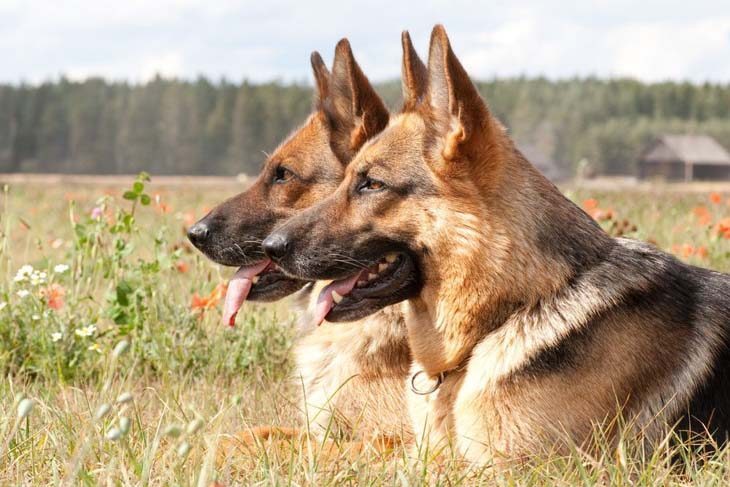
<point x="432" y="389"/>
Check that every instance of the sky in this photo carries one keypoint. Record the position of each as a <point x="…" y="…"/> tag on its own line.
<point x="272" y="40"/>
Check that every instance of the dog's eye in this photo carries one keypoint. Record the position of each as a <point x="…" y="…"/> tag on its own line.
<point x="282" y="175"/>
<point x="370" y="185"/>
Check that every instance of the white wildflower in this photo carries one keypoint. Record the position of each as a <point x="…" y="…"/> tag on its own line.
<point x="35" y="317"/>
<point x="85" y="331"/>
<point x="37" y="278"/>
<point x="3" y="305"/>
<point x="56" y="336"/>
<point x="61" y="268"/>
<point x="95" y="347"/>
<point x="23" y="273"/>
<point x="23" y="293"/>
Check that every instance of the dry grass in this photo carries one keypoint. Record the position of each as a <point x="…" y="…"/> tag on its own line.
<point x="182" y="366"/>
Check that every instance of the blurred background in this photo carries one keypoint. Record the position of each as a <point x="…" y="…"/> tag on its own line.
<point x="186" y="87"/>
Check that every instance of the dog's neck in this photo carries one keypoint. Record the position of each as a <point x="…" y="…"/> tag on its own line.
<point x="518" y="243"/>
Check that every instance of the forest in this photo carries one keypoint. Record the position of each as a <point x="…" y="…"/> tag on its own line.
<point x="170" y="126"/>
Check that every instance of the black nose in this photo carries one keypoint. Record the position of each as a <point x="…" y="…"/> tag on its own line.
<point x="276" y="246"/>
<point x="199" y="233"/>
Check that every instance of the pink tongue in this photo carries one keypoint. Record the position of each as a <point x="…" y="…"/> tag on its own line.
<point x="325" y="302"/>
<point x="238" y="289"/>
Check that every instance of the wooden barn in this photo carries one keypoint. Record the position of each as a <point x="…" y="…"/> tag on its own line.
<point x="685" y="158"/>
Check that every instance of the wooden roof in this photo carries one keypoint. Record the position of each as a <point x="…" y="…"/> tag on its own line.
<point x="697" y="149"/>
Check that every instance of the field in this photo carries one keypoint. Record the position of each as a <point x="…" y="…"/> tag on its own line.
<point x="117" y="371"/>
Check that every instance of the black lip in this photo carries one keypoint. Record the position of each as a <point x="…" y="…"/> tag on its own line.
<point x="274" y="285"/>
<point x="271" y="286"/>
<point x="402" y="283"/>
<point x="231" y="254"/>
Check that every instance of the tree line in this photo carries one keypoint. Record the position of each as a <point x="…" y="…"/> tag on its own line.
<point x="168" y="126"/>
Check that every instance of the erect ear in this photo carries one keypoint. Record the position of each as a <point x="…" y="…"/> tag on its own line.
<point x="355" y="111"/>
<point x="414" y="75"/>
<point x="321" y="77"/>
<point x="453" y="99"/>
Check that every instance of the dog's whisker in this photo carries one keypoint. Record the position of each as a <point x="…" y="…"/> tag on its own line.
<point x="349" y="264"/>
<point x="345" y="259"/>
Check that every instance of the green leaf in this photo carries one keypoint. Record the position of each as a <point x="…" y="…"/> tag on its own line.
<point x="119" y="316"/>
<point x="145" y="199"/>
<point x="130" y="195"/>
<point x="138" y="187"/>
<point x="144" y="176"/>
<point x="123" y="292"/>
<point x="80" y="230"/>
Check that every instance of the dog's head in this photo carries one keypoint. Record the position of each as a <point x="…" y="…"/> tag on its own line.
<point x="417" y="206"/>
<point x="304" y="169"/>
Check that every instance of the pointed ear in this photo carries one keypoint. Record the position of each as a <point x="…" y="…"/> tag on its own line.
<point x="453" y="99"/>
<point x="321" y="77"/>
<point x="355" y="108"/>
<point x="414" y="75"/>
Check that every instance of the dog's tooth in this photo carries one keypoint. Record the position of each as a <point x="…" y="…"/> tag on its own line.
<point x="255" y="279"/>
<point x="382" y="267"/>
<point x="392" y="257"/>
<point x="372" y="276"/>
<point x="336" y="297"/>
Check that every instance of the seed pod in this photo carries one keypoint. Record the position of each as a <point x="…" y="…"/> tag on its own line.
<point x="183" y="449"/>
<point x="120" y="348"/>
<point x="113" y="434"/>
<point x="173" y="431"/>
<point x="102" y="411"/>
<point x="25" y="406"/>
<point x="124" y="398"/>
<point x="194" y="426"/>
<point x="124" y="425"/>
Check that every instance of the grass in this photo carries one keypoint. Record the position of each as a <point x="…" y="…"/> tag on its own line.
<point x="117" y="371"/>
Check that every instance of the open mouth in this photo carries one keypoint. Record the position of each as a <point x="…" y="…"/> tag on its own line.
<point x="272" y="284"/>
<point x="391" y="279"/>
<point x="262" y="281"/>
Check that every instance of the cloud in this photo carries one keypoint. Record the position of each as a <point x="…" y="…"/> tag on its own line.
<point x="673" y="50"/>
<point x="167" y="64"/>
<point x="650" y="40"/>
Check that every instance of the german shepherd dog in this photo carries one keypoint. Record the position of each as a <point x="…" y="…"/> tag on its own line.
<point x="353" y="375"/>
<point x="527" y="323"/>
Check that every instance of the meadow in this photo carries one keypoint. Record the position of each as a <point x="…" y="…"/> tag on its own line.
<point x="116" y="369"/>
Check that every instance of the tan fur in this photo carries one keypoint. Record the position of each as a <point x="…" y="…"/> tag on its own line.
<point x="510" y="270"/>
<point x="351" y="376"/>
<point x="484" y="411"/>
